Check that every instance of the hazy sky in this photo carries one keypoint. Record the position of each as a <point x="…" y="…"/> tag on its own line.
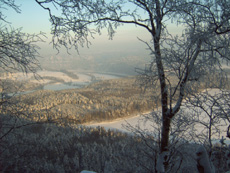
<point x="34" y="19"/>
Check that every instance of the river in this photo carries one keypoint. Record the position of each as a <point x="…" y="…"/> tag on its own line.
<point x="57" y="80"/>
<point x="145" y="122"/>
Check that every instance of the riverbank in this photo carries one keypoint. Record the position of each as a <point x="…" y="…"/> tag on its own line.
<point x="51" y="80"/>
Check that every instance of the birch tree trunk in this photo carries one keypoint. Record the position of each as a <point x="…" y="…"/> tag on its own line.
<point x="189" y="57"/>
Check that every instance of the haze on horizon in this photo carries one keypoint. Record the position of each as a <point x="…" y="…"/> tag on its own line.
<point x="124" y="49"/>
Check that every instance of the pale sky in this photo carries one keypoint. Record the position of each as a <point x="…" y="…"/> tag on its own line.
<point x="34" y="19"/>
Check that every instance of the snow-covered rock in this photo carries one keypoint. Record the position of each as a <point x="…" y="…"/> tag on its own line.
<point x="203" y="162"/>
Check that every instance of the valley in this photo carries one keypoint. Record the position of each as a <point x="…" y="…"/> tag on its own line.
<point x="91" y="97"/>
<point x="101" y="123"/>
<point x="80" y="98"/>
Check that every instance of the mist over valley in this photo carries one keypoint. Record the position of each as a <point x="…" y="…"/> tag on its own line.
<point x="115" y="86"/>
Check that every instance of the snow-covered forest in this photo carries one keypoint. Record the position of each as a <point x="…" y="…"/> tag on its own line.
<point x="171" y="116"/>
<point x="45" y="139"/>
<point x="51" y="148"/>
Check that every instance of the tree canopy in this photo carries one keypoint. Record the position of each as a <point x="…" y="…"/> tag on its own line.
<point x="18" y="50"/>
<point x="180" y="64"/>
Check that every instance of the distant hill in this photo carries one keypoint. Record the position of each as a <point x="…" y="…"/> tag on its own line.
<point x="125" y="64"/>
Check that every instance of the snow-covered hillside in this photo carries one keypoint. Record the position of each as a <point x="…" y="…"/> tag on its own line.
<point x="145" y="122"/>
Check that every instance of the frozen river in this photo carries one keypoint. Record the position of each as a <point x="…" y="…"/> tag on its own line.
<point x="140" y="122"/>
<point x="84" y="80"/>
<point x="56" y="80"/>
<point x="145" y="122"/>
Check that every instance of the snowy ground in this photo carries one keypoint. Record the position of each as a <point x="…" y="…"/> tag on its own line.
<point x="68" y="82"/>
<point x="120" y="124"/>
<point x="63" y="76"/>
<point x="30" y="76"/>
<point x="145" y="122"/>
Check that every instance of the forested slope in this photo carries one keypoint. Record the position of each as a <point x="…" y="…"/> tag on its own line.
<point x="100" y="101"/>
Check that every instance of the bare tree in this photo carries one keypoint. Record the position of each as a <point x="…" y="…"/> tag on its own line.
<point x="18" y="50"/>
<point x="210" y="115"/>
<point x="180" y="64"/>
<point x="18" y="53"/>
